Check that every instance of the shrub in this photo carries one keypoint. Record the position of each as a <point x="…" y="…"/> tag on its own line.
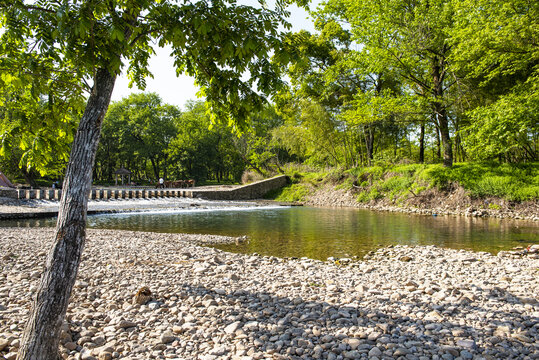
<point x="250" y="176"/>
<point x="494" y="206"/>
<point x="372" y="194"/>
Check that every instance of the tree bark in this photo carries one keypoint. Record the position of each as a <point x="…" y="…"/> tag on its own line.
<point x="446" y="139"/>
<point x="155" y="167"/>
<point x="422" y="144"/>
<point x="41" y="335"/>
<point x="369" y="143"/>
<point x="440" y="112"/>
<point x="438" y="142"/>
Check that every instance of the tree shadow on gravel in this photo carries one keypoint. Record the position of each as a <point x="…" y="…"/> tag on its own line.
<point x="289" y="328"/>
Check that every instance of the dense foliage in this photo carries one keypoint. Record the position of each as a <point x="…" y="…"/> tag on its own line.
<point x="155" y="140"/>
<point x="426" y="81"/>
<point x="379" y="82"/>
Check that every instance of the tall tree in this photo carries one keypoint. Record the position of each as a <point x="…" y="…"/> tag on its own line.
<point x="214" y="41"/>
<point x="255" y="145"/>
<point x="322" y="83"/>
<point x="146" y="127"/>
<point x="200" y="150"/>
<point x="496" y="47"/>
<point x="407" y="38"/>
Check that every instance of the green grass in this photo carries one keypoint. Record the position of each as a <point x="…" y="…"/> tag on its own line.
<point x="290" y="193"/>
<point x="513" y="182"/>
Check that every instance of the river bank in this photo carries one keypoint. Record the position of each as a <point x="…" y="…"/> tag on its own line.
<point x="431" y="202"/>
<point x="409" y="302"/>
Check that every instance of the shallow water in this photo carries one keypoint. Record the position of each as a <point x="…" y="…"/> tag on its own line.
<point x="317" y="232"/>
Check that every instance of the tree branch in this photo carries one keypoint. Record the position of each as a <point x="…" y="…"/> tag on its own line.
<point x="409" y="75"/>
<point x="33" y="7"/>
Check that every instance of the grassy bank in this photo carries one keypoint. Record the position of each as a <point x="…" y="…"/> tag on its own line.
<point x="397" y="183"/>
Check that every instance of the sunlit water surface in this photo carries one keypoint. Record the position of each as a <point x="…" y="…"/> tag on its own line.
<point x="318" y="232"/>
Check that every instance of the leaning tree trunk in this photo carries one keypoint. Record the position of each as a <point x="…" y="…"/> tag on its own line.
<point x="41" y="335"/>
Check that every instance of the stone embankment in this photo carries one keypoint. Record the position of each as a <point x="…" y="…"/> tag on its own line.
<point x="401" y="303"/>
<point x="439" y="204"/>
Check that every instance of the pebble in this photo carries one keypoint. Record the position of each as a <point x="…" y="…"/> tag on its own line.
<point x="467" y="344"/>
<point x="3" y="344"/>
<point x="167" y="337"/>
<point x="438" y="305"/>
<point x="375" y="352"/>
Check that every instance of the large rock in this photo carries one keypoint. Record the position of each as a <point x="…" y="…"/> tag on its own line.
<point x="167" y="337"/>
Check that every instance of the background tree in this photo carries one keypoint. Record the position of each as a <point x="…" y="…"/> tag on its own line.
<point x="409" y="39"/>
<point x="202" y="150"/>
<point x="495" y="47"/>
<point x="256" y="145"/>
<point x="143" y="128"/>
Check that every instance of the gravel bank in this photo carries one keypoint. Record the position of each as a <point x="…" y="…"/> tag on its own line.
<point x="402" y="303"/>
<point x="456" y="203"/>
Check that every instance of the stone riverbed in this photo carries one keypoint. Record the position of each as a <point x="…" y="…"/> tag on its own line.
<point x="402" y="302"/>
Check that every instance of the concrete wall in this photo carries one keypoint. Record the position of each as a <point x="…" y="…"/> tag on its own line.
<point x="256" y="190"/>
<point x="9" y="193"/>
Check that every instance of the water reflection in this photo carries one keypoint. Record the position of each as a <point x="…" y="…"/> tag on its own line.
<point x="322" y="232"/>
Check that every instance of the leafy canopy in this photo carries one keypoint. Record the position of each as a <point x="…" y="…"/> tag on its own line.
<point x="52" y="50"/>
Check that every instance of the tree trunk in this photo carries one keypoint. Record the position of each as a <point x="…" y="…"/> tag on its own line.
<point x="41" y="335"/>
<point x="422" y="143"/>
<point x="155" y="167"/>
<point x="438" y="144"/>
<point x="446" y="139"/>
<point x="369" y="143"/>
<point x="439" y="108"/>
<point x="164" y="166"/>
<point x="28" y="177"/>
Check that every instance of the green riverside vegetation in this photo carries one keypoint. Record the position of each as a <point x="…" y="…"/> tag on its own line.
<point x="512" y="182"/>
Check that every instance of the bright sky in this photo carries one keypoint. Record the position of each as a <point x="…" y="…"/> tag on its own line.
<point x="178" y="90"/>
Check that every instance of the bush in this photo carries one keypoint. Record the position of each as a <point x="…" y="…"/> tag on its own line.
<point x="372" y="194"/>
<point x="250" y="176"/>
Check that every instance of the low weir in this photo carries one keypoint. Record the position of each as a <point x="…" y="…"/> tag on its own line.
<point x="252" y="191"/>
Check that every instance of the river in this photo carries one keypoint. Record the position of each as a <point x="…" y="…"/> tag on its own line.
<point x="316" y="232"/>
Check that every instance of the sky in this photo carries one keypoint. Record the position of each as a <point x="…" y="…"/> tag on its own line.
<point x="178" y="90"/>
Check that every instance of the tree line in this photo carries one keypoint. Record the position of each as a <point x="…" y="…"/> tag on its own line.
<point x="436" y="81"/>
<point x="155" y="140"/>
<point x="421" y="81"/>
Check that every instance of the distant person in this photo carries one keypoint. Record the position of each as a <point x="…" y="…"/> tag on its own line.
<point x="161" y="183"/>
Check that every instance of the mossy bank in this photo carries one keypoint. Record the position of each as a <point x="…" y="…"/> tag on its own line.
<point x="470" y="189"/>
